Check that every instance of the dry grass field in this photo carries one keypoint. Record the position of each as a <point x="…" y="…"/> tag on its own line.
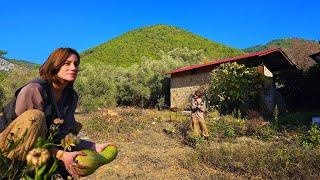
<point x="149" y="146"/>
<point x="157" y="145"/>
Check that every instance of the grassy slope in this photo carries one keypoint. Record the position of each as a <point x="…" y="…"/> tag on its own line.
<point x="130" y="47"/>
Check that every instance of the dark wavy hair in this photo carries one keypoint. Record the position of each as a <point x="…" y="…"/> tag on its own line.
<point x="50" y="68"/>
<point x="198" y="93"/>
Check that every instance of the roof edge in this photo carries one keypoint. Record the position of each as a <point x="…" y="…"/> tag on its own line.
<point x="221" y="61"/>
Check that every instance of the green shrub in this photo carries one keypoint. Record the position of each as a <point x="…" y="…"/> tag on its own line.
<point x="233" y="86"/>
<point x="226" y="127"/>
<point x="194" y="141"/>
<point x="229" y="132"/>
<point x="96" y="88"/>
<point x="314" y="133"/>
<point x="264" y="132"/>
<point x="312" y="138"/>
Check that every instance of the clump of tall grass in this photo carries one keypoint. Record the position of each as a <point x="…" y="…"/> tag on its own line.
<point x="252" y="158"/>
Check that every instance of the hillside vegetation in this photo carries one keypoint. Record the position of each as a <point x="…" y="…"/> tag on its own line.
<point x="297" y="49"/>
<point x="132" y="46"/>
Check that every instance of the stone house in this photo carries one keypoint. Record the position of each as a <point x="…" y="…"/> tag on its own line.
<point x="184" y="81"/>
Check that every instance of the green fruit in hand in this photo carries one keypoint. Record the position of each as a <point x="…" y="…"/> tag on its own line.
<point x="109" y="153"/>
<point x="90" y="161"/>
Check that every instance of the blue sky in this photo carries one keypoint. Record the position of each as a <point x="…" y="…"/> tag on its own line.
<point x="30" y="30"/>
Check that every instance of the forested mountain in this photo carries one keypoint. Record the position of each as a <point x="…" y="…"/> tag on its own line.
<point x="297" y="49"/>
<point x="132" y="46"/>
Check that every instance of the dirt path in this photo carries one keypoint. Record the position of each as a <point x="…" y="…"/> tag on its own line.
<point x="151" y="154"/>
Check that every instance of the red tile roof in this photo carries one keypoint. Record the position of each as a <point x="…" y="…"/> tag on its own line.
<point x="249" y="55"/>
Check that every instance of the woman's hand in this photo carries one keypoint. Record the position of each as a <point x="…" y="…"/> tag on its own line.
<point x="100" y="147"/>
<point x="199" y="100"/>
<point x="68" y="159"/>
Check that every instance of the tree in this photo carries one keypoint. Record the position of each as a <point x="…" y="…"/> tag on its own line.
<point x="232" y="86"/>
<point x="2" y="53"/>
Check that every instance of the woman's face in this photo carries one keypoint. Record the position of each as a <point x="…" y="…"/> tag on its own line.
<point x="69" y="70"/>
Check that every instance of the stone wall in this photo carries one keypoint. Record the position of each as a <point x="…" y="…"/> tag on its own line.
<point x="183" y="86"/>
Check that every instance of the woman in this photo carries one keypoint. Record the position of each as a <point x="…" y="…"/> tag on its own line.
<point x="198" y="107"/>
<point x="38" y="103"/>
